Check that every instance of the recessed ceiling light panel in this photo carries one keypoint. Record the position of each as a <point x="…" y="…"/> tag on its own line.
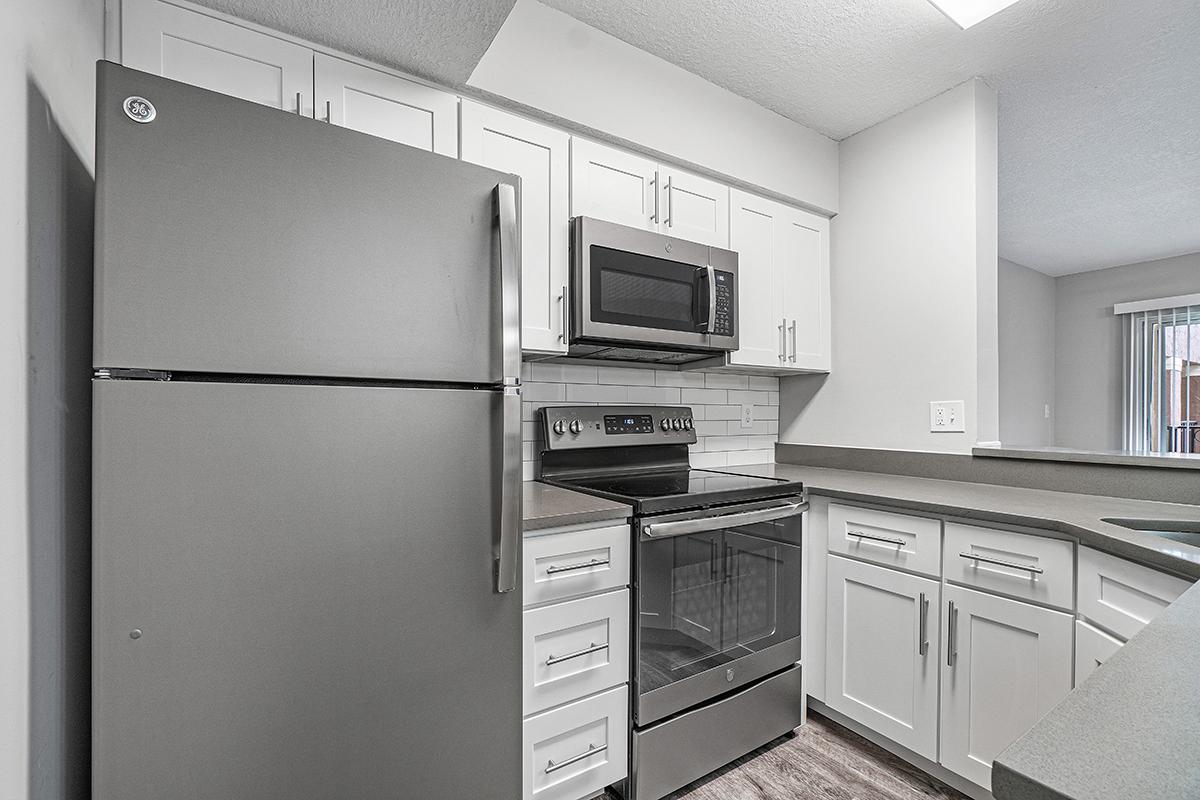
<point x="966" y="13"/>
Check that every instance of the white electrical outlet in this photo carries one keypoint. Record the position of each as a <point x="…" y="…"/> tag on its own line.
<point x="747" y="415"/>
<point x="947" y="416"/>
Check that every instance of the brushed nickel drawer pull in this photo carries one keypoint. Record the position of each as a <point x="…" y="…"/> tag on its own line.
<point x="873" y="538"/>
<point x="923" y="629"/>
<point x="591" y="648"/>
<point x="595" y="562"/>
<point x="952" y="635"/>
<point x="591" y="751"/>
<point x="1002" y="563"/>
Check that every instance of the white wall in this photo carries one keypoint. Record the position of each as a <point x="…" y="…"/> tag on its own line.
<point x="47" y="85"/>
<point x="1088" y="356"/>
<point x="1026" y="304"/>
<point x="549" y="61"/>
<point x="913" y="254"/>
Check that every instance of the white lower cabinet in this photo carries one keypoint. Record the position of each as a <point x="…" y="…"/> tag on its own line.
<point x="1092" y="648"/>
<point x="575" y="651"/>
<point x="575" y="750"/>
<point x="882" y="651"/>
<point x="1006" y="664"/>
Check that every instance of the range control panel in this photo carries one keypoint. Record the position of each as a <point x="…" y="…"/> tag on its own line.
<point x="576" y="427"/>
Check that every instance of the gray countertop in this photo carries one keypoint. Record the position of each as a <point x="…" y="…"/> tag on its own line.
<point x="1130" y="731"/>
<point x="1124" y="457"/>
<point x="552" y="507"/>
<point x="1078" y="515"/>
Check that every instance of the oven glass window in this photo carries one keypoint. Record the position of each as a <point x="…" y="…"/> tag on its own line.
<point x="632" y="289"/>
<point x="707" y="600"/>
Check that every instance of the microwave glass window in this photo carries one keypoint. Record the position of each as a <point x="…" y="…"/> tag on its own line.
<point x="632" y="289"/>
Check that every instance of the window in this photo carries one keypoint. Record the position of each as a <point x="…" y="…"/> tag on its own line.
<point x="1162" y="367"/>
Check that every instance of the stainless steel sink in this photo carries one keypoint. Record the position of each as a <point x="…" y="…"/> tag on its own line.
<point x="1186" y="531"/>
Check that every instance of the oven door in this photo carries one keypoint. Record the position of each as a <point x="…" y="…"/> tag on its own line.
<point x="635" y="287"/>
<point x="717" y="604"/>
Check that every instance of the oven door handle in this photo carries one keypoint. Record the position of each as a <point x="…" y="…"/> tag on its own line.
<point x="664" y="530"/>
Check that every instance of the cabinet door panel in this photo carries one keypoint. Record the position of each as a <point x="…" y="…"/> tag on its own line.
<point x="539" y="155"/>
<point x="612" y="185"/>
<point x="1092" y="648"/>
<point x="694" y="208"/>
<point x="195" y="48"/>
<point x="753" y="233"/>
<point x="878" y="672"/>
<point x="1007" y="664"/>
<point x="803" y="271"/>
<point x="385" y="105"/>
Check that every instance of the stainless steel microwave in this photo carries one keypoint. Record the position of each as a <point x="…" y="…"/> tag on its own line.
<point x="643" y="296"/>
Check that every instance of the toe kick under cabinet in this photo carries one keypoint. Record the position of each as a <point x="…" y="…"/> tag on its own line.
<point x="575" y="651"/>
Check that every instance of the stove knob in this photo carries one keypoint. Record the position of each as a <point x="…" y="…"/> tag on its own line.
<point x="666" y="424"/>
<point x="576" y="427"/>
<point x="677" y="424"/>
<point x="559" y="428"/>
<point x="687" y="423"/>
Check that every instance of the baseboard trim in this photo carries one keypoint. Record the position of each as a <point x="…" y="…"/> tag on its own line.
<point x="951" y="779"/>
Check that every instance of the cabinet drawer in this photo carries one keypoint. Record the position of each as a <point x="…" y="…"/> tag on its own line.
<point x="1122" y="596"/>
<point x="1018" y="564"/>
<point x="574" y="649"/>
<point x="573" y="563"/>
<point x="1092" y="648"/>
<point x="578" y="749"/>
<point x="895" y="540"/>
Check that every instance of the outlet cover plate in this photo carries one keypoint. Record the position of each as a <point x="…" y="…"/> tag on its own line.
<point x="947" y="416"/>
<point x="747" y="415"/>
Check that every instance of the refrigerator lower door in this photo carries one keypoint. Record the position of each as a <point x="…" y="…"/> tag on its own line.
<point x="236" y="238"/>
<point x="295" y="595"/>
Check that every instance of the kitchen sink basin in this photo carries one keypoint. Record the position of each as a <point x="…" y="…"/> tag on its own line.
<point x="1186" y="531"/>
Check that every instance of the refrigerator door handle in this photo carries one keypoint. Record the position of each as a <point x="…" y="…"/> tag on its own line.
<point x="510" y="281"/>
<point x="510" y="493"/>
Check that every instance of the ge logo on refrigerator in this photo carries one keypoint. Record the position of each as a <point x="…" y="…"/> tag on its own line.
<point x="139" y="109"/>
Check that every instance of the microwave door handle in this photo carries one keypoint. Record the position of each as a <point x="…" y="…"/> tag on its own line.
<point x="712" y="298"/>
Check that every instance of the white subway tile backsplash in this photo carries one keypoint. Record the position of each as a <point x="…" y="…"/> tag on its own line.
<point x="689" y="380"/>
<point x="706" y="396"/>
<point x="715" y="400"/>
<point x="626" y="376"/>
<point x="718" y="380"/>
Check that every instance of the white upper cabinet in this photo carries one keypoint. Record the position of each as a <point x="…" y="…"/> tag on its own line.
<point x="882" y="651"/>
<point x="384" y="105"/>
<point x="198" y="49"/>
<point x="1006" y="664"/>
<point x="693" y="208"/>
<point x="783" y="286"/>
<point x="612" y="185"/>
<point x="539" y="154"/>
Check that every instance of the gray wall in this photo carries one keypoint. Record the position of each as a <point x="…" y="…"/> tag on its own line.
<point x="1088" y="363"/>
<point x="1026" y="300"/>
<point x="48" y="50"/>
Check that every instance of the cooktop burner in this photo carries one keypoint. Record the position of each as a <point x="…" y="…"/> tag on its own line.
<point x="666" y="484"/>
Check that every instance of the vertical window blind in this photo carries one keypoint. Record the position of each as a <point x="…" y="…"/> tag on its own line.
<point x="1162" y="374"/>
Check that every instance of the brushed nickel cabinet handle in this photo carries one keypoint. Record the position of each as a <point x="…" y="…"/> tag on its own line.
<point x="1002" y="563"/>
<point x="952" y="635"/>
<point x="792" y="358"/>
<point x="328" y="111"/>
<point x="874" y="538"/>
<point x="299" y="107"/>
<point x="591" y="648"/>
<point x="591" y="751"/>
<point x="562" y="298"/>
<point x="670" y="206"/>
<point x="595" y="562"/>
<point x="783" y="339"/>
<point x="923" y="625"/>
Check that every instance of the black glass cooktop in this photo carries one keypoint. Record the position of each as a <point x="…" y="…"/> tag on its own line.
<point x="677" y="489"/>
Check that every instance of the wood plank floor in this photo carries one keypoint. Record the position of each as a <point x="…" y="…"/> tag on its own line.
<point x="822" y="761"/>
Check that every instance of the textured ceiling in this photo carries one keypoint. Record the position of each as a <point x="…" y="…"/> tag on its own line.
<point x="441" y="40"/>
<point x="1099" y="99"/>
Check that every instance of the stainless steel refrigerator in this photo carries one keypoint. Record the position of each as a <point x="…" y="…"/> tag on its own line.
<point x="306" y="459"/>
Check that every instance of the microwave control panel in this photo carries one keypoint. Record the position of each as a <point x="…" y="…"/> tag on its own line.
<point x="572" y="427"/>
<point x="726" y="304"/>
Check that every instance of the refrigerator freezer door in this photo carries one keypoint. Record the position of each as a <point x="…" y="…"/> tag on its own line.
<point x="294" y="599"/>
<point x="235" y="238"/>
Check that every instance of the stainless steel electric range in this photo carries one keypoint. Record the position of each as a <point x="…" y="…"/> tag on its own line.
<point x="717" y="588"/>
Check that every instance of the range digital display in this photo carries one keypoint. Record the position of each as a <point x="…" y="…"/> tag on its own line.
<point x="629" y="423"/>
